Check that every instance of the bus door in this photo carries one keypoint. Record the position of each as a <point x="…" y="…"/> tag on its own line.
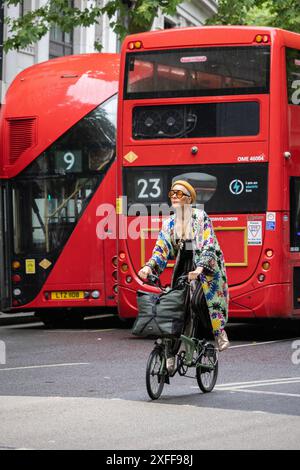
<point x="5" y="295"/>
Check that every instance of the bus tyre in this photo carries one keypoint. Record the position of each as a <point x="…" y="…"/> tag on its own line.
<point x="207" y="369"/>
<point x="155" y="379"/>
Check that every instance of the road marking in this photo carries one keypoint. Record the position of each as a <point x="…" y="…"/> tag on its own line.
<point x="239" y="386"/>
<point x="261" y="343"/>
<point x="264" y="392"/>
<point x="264" y="384"/>
<point x="46" y="365"/>
<point x="66" y="330"/>
<point x="255" y="383"/>
<point x="21" y="326"/>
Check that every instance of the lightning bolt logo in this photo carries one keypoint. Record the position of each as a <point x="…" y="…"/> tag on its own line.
<point x="236" y="187"/>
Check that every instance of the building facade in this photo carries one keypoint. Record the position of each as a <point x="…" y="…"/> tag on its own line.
<point x="81" y="40"/>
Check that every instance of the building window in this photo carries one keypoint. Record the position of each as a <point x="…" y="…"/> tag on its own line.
<point x="61" y="43"/>
<point x="24" y="7"/>
<point x="169" y="24"/>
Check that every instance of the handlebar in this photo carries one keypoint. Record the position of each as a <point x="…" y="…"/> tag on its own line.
<point x="154" y="280"/>
<point x="181" y="282"/>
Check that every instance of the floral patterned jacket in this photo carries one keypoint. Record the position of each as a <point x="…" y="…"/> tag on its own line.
<point x="207" y="253"/>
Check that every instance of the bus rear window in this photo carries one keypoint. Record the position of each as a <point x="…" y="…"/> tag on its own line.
<point x="197" y="72"/>
<point x="196" y="120"/>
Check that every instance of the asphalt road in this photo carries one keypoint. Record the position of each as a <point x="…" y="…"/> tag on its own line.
<point x="85" y="389"/>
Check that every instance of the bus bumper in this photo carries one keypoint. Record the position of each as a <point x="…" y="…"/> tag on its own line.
<point x="271" y="301"/>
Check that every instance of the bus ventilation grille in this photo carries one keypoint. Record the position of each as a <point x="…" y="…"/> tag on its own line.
<point x="22" y="136"/>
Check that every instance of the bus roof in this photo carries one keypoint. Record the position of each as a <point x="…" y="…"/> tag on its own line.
<point x="205" y="35"/>
<point x="57" y="94"/>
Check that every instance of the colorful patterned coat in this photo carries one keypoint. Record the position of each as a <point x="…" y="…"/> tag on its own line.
<point x="207" y="253"/>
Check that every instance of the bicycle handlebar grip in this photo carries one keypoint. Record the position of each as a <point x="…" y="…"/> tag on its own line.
<point x="152" y="278"/>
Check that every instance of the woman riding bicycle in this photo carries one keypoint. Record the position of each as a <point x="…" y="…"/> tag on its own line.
<point x="188" y="237"/>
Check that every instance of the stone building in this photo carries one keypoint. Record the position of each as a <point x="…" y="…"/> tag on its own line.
<point x="81" y="40"/>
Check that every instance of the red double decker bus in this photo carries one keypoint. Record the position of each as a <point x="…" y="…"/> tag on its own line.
<point x="218" y="106"/>
<point x="58" y="138"/>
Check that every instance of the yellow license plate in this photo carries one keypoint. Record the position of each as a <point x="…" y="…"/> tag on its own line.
<point x="67" y="295"/>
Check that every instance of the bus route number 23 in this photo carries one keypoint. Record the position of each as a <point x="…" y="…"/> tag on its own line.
<point x="148" y="188"/>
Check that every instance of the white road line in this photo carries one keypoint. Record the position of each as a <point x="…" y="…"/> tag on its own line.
<point x="263" y="392"/>
<point x="258" y="382"/>
<point x="264" y="384"/>
<point x="46" y="365"/>
<point x="236" y="386"/>
<point x="81" y="330"/>
<point x="262" y="343"/>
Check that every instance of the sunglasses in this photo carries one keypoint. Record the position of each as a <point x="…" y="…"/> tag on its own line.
<point x="178" y="193"/>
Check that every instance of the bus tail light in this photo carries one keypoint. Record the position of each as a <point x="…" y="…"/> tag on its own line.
<point x="259" y="38"/>
<point x="266" y="265"/>
<point x="122" y="255"/>
<point x="124" y="268"/>
<point x="17" y="292"/>
<point x="261" y="277"/>
<point x="16" y="264"/>
<point x="115" y="275"/>
<point x="128" y="279"/>
<point x="135" y="45"/>
<point x="115" y="288"/>
<point x="269" y="253"/>
<point x="16" y="278"/>
<point x="114" y="261"/>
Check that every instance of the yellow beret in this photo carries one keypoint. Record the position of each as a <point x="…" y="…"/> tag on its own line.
<point x="188" y="186"/>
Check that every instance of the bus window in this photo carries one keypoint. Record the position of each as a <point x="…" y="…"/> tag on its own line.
<point x="197" y="72"/>
<point x="204" y="184"/>
<point x="59" y="184"/>
<point x="196" y="120"/>
<point x="295" y="214"/>
<point x="293" y="75"/>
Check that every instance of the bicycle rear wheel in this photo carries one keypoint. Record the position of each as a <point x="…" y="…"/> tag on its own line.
<point x="207" y="369"/>
<point x="155" y="379"/>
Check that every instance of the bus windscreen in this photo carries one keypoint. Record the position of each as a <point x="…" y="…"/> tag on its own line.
<point x="208" y="71"/>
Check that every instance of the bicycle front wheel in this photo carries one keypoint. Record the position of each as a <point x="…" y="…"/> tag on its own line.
<point x="207" y="369"/>
<point x="155" y="378"/>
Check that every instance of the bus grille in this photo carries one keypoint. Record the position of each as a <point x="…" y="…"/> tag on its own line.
<point x="22" y="136"/>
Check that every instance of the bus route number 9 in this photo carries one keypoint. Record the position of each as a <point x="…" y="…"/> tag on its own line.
<point x="148" y="188"/>
<point x="69" y="160"/>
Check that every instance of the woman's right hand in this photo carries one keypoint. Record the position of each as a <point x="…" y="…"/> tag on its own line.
<point x="145" y="272"/>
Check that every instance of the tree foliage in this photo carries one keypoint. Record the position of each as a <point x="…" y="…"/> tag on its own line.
<point x="277" y="13"/>
<point x="125" y="17"/>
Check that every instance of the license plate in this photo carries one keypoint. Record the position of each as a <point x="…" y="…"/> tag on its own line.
<point x="67" y="295"/>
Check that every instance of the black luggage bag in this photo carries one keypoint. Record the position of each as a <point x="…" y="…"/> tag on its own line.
<point x="160" y="315"/>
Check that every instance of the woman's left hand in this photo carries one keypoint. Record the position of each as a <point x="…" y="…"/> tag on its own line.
<point x="194" y="274"/>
